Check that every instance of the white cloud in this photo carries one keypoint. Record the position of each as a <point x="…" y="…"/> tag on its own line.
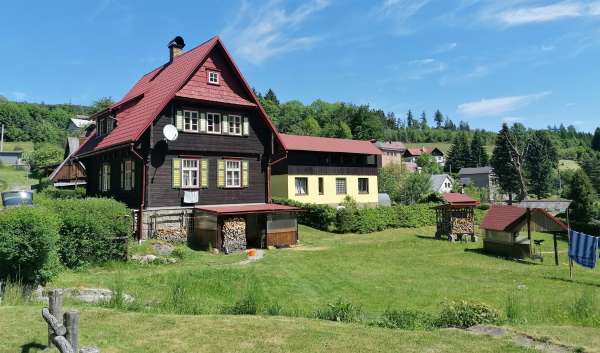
<point x="444" y="48"/>
<point x="424" y="67"/>
<point x="260" y="34"/>
<point x="401" y="9"/>
<point x="498" y="106"/>
<point x="547" y="13"/>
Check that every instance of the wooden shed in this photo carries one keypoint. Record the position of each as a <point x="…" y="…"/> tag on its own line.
<point x="231" y="228"/>
<point x="502" y="229"/>
<point x="455" y="219"/>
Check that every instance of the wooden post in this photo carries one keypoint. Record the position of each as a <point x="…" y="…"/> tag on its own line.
<point x="529" y="231"/>
<point x="72" y="325"/>
<point x="555" y="249"/>
<point x="55" y="303"/>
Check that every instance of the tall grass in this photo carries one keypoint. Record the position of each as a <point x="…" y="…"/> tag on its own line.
<point x="13" y="293"/>
<point x="586" y="309"/>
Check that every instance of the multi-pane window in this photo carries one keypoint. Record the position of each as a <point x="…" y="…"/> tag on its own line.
<point x="128" y="174"/>
<point x="301" y="186"/>
<point x="233" y="172"/>
<point x="190" y="121"/>
<point x="189" y="173"/>
<point x="213" y="123"/>
<point x="213" y="77"/>
<point x="321" y="187"/>
<point x="340" y="186"/>
<point x="235" y="125"/>
<point x="363" y="185"/>
<point x="105" y="125"/>
<point x="105" y="177"/>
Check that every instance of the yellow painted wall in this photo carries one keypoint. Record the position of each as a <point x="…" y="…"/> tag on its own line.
<point x="284" y="186"/>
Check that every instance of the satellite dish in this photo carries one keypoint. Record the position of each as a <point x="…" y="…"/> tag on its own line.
<point x="170" y="132"/>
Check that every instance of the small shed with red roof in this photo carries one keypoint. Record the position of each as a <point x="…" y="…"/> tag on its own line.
<point x="455" y="218"/>
<point x="503" y="224"/>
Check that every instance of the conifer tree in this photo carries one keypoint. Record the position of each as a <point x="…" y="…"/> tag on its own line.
<point x="271" y="96"/>
<point x="423" y="121"/>
<point x="438" y="118"/>
<point x="479" y="156"/>
<point x="504" y="165"/>
<point x="596" y="140"/>
<point x="410" y="120"/>
<point x="541" y="161"/>
<point x="459" y="155"/>
<point x="583" y="196"/>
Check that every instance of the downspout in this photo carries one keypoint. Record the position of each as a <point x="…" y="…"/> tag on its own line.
<point x="143" y="196"/>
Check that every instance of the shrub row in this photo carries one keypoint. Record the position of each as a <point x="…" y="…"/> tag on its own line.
<point x="363" y="220"/>
<point x="77" y="232"/>
<point x="55" y="193"/>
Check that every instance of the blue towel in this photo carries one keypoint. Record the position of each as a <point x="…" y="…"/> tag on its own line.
<point x="583" y="249"/>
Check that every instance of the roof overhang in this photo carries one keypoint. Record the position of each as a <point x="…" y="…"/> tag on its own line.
<point x="241" y="209"/>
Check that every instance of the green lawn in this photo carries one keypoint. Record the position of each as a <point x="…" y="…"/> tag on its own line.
<point x="565" y="164"/>
<point x="11" y="178"/>
<point x="114" y="332"/>
<point x="25" y="146"/>
<point x="393" y="269"/>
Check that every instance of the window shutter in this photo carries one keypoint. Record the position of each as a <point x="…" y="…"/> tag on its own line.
<point x="245" y="180"/>
<point x="221" y="173"/>
<point x="122" y="175"/>
<point x="179" y="120"/>
<point x="225" y="125"/>
<point x="204" y="173"/>
<point x="245" y="127"/>
<point x="202" y="122"/>
<point x="132" y="175"/>
<point x="176" y="177"/>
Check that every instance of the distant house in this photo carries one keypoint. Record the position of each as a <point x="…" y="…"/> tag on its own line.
<point x="12" y="158"/>
<point x="70" y="172"/>
<point x="481" y="177"/>
<point x="441" y="183"/>
<point x="325" y="170"/>
<point x="79" y="124"/>
<point x="411" y="154"/>
<point x="392" y="152"/>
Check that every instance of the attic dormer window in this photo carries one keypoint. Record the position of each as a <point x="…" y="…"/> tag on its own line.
<point x="213" y="77"/>
<point x="105" y="125"/>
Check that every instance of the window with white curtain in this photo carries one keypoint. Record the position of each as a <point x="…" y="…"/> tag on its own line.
<point x="301" y="186"/>
<point x="233" y="172"/>
<point x="189" y="173"/>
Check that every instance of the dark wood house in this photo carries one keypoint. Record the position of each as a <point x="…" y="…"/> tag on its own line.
<point x="220" y="159"/>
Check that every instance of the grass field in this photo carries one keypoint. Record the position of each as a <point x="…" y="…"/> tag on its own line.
<point x="25" y="146"/>
<point x="12" y="178"/>
<point x="393" y="269"/>
<point x="565" y="164"/>
<point x="115" y="332"/>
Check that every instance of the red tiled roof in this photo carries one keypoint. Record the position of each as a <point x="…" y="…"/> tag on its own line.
<point x="327" y="144"/>
<point x="248" y="208"/>
<point x="149" y="96"/>
<point x="501" y="218"/>
<point x="455" y="198"/>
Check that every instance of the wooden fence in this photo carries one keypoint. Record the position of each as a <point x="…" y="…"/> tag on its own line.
<point x="63" y="330"/>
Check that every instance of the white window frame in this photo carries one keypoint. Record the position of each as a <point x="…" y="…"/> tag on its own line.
<point x="235" y="125"/>
<point x="191" y="126"/>
<point x="361" y="191"/>
<point x="233" y="167"/>
<point x="345" y="186"/>
<point x="190" y="173"/>
<point x="305" y="180"/>
<point x="211" y="124"/>
<point x="105" y="175"/>
<point x="213" y="77"/>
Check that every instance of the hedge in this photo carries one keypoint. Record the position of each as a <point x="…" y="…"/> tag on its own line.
<point x="92" y="231"/>
<point x="363" y="220"/>
<point x="28" y="238"/>
<point x="55" y="193"/>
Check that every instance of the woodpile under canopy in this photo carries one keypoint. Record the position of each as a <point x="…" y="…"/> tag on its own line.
<point x="456" y="217"/>
<point x="234" y="234"/>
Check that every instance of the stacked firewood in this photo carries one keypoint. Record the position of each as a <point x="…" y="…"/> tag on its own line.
<point x="234" y="234"/>
<point x="462" y="226"/>
<point x="175" y="235"/>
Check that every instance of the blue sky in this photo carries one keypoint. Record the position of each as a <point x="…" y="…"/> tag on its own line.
<point x="537" y="62"/>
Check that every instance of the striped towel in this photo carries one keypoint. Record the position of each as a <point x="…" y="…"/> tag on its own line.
<point x="583" y="249"/>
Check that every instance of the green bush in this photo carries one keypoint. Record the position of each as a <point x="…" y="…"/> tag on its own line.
<point x="464" y="314"/>
<point x="93" y="230"/>
<point x="413" y="216"/>
<point x="341" y="311"/>
<point x="317" y="216"/>
<point x="54" y="193"/>
<point x="28" y="238"/>
<point x="406" y="320"/>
